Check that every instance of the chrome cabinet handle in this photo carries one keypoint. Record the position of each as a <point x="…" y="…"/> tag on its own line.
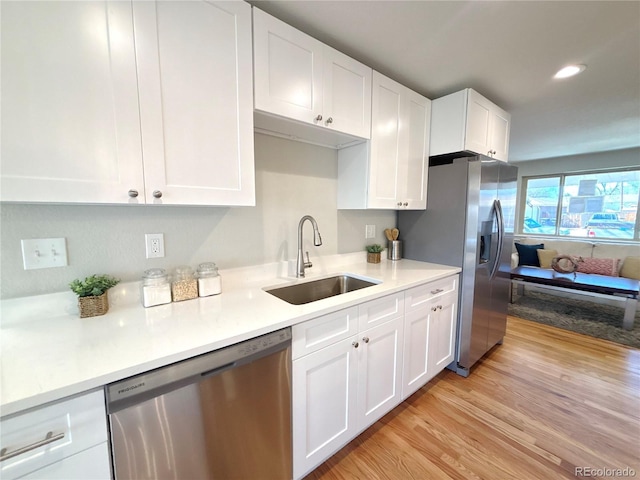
<point x="133" y="193"/>
<point x="329" y="121"/>
<point x="318" y="118"/>
<point x="355" y="344"/>
<point x="157" y="194"/>
<point x="49" y="438"/>
<point x="406" y="204"/>
<point x="365" y="339"/>
<point x="399" y="204"/>
<point x="433" y="309"/>
<point x="439" y="307"/>
<point x="438" y="290"/>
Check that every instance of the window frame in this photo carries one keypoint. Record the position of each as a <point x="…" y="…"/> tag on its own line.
<point x="522" y="198"/>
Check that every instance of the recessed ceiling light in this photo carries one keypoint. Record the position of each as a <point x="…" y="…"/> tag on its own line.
<point x="570" y="71"/>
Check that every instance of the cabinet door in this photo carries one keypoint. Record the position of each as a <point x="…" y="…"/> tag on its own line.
<point x="442" y="333"/>
<point x="500" y="128"/>
<point x="346" y="94"/>
<point x="478" y="133"/>
<point x="288" y="69"/>
<point x="413" y="167"/>
<point x="70" y="122"/>
<point x="386" y="106"/>
<point x="324" y="400"/>
<point x="195" y="74"/>
<point x="415" y="370"/>
<point x="379" y="371"/>
<point x="93" y="464"/>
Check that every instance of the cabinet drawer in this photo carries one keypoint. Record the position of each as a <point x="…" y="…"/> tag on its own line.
<point x="379" y="311"/>
<point x="92" y="464"/>
<point x="320" y="332"/>
<point x="75" y="424"/>
<point x="417" y="296"/>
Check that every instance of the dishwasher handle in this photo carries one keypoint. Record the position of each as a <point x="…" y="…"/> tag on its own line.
<point x="215" y="371"/>
<point x="143" y="387"/>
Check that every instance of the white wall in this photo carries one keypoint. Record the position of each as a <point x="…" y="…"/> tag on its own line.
<point x="580" y="163"/>
<point x="292" y="179"/>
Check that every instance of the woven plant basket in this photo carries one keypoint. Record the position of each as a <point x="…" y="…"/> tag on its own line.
<point x="373" y="257"/>
<point x="93" y="306"/>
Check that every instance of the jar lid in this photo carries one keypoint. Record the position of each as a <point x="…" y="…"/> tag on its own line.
<point x="208" y="269"/>
<point x="155" y="273"/>
<point x="183" y="272"/>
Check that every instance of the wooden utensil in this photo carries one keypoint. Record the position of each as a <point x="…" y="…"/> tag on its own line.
<point x="388" y="233"/>
<point x="395" y="233"/>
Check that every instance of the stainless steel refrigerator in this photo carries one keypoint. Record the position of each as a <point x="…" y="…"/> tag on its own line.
<point x="469" y="223"/>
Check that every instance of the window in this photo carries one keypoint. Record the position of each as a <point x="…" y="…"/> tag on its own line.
<point x="589" y="205"/>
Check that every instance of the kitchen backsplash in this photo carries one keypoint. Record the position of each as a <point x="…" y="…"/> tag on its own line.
<point x="292" y="179"/>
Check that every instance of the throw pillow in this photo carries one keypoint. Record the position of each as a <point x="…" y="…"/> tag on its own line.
<point x="631" y="268"/>
<point x="528" y="254"/>
<point x="545" y="256"/>
<point x="600" y="266"/>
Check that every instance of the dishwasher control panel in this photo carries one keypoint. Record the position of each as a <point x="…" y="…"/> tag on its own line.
<point x="147" y="385"/>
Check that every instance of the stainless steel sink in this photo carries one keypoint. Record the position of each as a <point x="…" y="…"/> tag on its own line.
<point x="308" y="292"/>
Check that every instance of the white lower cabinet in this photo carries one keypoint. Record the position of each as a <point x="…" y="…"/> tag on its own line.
<point x="341" y="389"/>
<point x="92" y="464"/>
<point x="324" y="403"/>
<point x="352" y="366"/>
<point x="379" y="371"/>
<point x="430" y="332"/>
<point x="62" y="440"/>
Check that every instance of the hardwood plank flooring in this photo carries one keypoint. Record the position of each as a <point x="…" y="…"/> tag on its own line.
<point x="546" y="402"/>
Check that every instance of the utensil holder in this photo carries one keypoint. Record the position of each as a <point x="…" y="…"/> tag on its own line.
<point x="394" y="250"/>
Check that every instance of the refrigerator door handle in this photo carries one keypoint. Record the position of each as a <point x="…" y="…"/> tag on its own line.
<point x="497" y="208"/>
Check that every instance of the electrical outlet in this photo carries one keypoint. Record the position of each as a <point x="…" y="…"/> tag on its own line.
<point x="370" y="231"/>
<point x="155" y="245"/>
<point x="44" y="253"/>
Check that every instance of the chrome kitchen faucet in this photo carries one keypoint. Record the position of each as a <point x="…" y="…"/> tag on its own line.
<point x="317" y="241"/>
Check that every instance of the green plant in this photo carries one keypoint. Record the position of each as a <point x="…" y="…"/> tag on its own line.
<point x="93" y="285"/>
<point x="375" y="248"/>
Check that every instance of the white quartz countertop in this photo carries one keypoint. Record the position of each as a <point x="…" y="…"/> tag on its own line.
<point x="48" y="352"/>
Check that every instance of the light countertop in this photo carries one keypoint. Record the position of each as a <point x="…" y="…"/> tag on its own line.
<point x="48" y="352"/>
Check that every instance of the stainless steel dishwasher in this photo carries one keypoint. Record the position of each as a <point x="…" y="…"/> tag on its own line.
<point x="221" y="415"/>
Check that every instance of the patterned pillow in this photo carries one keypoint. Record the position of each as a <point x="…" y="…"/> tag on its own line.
<point x="600" y="266"/>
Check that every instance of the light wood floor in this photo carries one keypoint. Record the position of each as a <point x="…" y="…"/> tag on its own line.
<point x="538" y="406"/>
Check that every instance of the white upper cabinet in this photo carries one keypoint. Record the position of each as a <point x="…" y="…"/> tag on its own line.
<point x="70" y="122"/>
<point x="467" y="121"/>
<point x="389" y="172"/>
<point x="297" y="77"/>
<point x="195" y="75"/>
<point x="95" y="113"/>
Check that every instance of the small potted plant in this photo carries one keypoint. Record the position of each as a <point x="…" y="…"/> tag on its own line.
<point x="373" y="253"/>
<point x="92" y="294"/>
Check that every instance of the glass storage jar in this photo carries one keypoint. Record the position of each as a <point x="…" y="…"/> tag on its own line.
<point x="156" y="289"/>
<point x="184" y="285"/>
<point x="209" y="281"/>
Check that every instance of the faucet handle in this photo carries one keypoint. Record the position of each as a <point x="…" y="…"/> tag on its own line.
<point x="308" y="263"/>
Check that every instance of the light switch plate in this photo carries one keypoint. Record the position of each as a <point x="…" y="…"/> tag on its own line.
<point x="44" y="253"/>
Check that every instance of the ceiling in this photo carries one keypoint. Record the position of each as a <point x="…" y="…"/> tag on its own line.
<point x="506" y="50"/>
